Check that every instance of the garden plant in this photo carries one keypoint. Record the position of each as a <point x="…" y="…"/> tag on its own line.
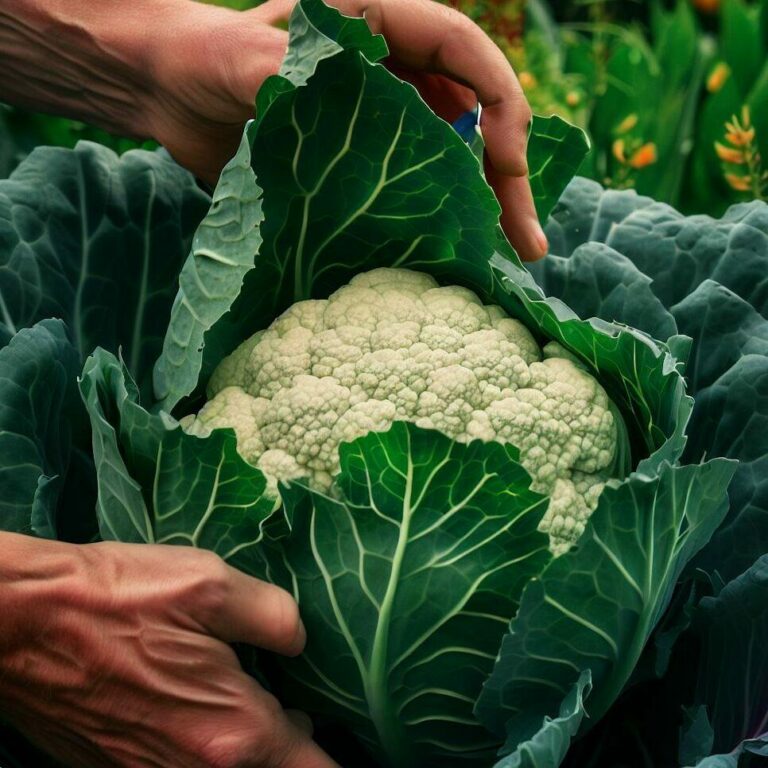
<point x="523" y="509"/>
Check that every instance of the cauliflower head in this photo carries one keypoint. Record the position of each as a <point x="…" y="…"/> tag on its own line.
<point x="394" y="345"/>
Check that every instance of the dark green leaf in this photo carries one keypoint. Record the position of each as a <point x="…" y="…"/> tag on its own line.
<point x="598" y="282"/>
<point x="422" y="557"/>
<point x="731" y="419"/>
<point x="733" y="673"/>
<point x="556" y="149"/>
<point x="97" y="241"/>
<point x="725" y="328"/>
<point x="595" y="607"/>
<point x="38" y="396"/>
<point x="157" y="484"/>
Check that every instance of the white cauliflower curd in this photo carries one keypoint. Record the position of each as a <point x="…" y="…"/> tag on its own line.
<point x="393" y="345"/>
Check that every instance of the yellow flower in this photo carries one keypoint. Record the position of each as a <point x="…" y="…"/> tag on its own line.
<point x="618" y="150"/>
<point x="739" y="183"/>
<point x="627" y="124"/>
<point x="717" y="77"/>
<point x="729" y="155"/>
<point x="644" y="156"/>
<point x="572" y="99"/>
<point x="527" y="80"/>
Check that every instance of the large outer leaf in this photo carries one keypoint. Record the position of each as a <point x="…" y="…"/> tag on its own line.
<point x="596" y="281"/>
<point x="711" y="274"/>
<point x="408" y="580"/>
<point x="679" y="252"/>
<point x="97" y="241"/>
<point x="159" y="485"/>
<point x="691" y="261"/>
<point x="725" y="328"/>
<point x="731" y="419"/>
<point x="38" y="370"/>
<point x="732" y="683"/>
<point x="595" y="607"/>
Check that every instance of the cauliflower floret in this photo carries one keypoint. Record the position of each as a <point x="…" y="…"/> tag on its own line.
<point x="235" y="370"/>
<point x="394" y="345"/>
<point x="232" y="407"/>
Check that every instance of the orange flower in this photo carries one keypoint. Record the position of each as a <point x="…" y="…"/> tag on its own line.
<point x="618" y="150"/>
<point x="717" y="77"/>
<point x="729" y="155"/>
<point x="627" y="124"/>
<point x="739" y="183"/>
<point x="739" y="137"/>
<point x="644" y="156"/>
<point x="527" y="80"/>
<point x="572" y="99"/>
<point x="707" y="6"/>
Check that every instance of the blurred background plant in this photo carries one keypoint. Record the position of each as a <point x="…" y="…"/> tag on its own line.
<point x="666" y="90"/>
<point x="661" y="88"/>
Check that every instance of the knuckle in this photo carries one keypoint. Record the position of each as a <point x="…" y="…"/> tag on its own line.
<point x="524" y="113"/>
<point x="212" y="582"/>
<point x="459" y="23"/>
<point x="234" y="749"/>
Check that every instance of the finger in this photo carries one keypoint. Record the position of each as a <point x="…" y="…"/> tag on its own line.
<point x="306" y="754"/>
<point x="295" y="749"/>
<point x="249" y="610"/>
<point x="518" y="214"/>
<point x="425" y="35"/>
<point x="447" y="98"/>
<point x="289" y="744"/>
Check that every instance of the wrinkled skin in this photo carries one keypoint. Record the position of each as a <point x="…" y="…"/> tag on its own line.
<point x="116" y="655"/>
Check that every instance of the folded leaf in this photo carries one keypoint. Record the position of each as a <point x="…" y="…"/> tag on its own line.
<point x="595" y="607"/>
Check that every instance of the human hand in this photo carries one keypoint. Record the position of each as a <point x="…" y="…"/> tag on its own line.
<point x="116" y="655"/>
<point x="206" y="76"/>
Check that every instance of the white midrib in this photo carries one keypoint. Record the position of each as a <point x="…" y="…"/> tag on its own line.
<point x="138" y="324"/>
<point x="85" y="258"/>
<point x="382" y="712"/>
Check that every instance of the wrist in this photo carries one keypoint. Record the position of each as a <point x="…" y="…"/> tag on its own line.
<point x="102" y="73"/>
<point x="34" y="573"/>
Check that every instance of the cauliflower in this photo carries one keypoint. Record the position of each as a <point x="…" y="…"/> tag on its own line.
<point x="394" y="345"/>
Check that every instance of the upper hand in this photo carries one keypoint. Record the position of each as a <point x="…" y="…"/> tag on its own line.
<point x="119" y="657"/>
<point x="207" y="77"/>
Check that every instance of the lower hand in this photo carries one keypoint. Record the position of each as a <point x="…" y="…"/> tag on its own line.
<point x="118" y="656"/>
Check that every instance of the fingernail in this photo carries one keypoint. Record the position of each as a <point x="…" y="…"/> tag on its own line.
<point x="301" y="637"/>
<point x="541" y="241"/>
